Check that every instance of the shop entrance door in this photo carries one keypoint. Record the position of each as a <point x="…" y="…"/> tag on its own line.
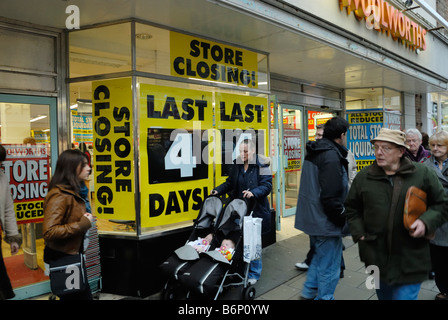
<point x="28" y="132"/>
<point x="292" y="156"/>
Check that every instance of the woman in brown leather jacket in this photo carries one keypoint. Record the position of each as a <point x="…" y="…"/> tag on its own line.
<point x="66" y="219"/>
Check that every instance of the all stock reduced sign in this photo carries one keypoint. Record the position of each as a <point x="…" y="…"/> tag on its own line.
<point x="27" y="167"/>
<point x="364" y="126"/>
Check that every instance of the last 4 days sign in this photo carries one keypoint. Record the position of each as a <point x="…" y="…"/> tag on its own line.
<point x="180" y="134"/>
<point x="27" y="167"/>
<point x="176" y="167"/>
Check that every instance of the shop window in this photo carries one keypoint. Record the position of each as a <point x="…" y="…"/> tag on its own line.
<point x="171" y="193"/>
<point x="100" y="50"/>
<point x="444" y="109"/>
<point x="81" y="125"/>
<point x="373" y="98"/>
<point x="170" y="190"/>
<point x="152" y="49"/>
<point x="156" y="136"/>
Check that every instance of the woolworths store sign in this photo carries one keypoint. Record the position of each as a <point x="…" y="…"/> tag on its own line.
<point x="381" y="16"/>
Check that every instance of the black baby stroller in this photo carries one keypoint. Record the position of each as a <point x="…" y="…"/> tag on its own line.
<point x="213" y="272"/>
<point x="184" y="256"/>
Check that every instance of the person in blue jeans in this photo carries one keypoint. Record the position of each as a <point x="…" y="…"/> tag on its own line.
<point x="320" y="208"/>
<point x="249" y="178"/>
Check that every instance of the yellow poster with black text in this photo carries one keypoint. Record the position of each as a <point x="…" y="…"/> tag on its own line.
<point x="176" y="170"/>
<point x="239" y="117"/>
<point x="113" y="149"/>
<point x="193" y="57"/>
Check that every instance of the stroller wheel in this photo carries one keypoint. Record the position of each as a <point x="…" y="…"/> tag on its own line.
<point x="248" y="293"/>
<point x="168" y="292"/>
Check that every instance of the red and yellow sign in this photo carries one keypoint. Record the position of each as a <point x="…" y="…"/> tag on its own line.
<point x="382" y="16"/>
<point x="27" y="168"/>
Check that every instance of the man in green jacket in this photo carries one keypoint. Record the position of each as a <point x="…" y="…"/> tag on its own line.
<point x="374" y="209"/>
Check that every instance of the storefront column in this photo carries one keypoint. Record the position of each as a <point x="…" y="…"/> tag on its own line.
<point x="409" y="110"/>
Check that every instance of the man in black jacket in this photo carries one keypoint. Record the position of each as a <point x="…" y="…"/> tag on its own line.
<point x="320" y="207"/>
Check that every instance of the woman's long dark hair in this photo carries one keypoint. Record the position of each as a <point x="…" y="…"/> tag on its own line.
<point x="67" y="171"/>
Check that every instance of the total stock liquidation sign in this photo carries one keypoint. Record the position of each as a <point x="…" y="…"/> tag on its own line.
<point x="183" y="135"/>
<point x="365" y="124"/>
<point x="27" y="168"/>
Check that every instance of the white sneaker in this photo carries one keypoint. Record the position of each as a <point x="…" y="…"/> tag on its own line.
<point x="252" y="281"/>
<point x="302" y="266"/>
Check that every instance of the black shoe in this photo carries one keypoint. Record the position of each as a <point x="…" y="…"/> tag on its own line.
<point x="442" y="296"/>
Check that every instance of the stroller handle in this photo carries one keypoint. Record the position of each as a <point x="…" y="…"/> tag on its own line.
<point x="251" y="203"/>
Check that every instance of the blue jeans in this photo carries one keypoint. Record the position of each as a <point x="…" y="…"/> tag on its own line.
<point x="398" y="291"/>
<point x="324" y="271"/>
<point x="255" y="269"/>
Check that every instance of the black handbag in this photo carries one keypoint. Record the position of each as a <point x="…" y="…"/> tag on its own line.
<point x="68" y="275"/>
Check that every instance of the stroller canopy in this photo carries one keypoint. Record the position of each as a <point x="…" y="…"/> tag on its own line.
<point x="235" y="209"/>
<point x="210" y="210"/>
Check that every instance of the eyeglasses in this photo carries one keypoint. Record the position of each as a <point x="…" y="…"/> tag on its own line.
<point x="385" y="149"/>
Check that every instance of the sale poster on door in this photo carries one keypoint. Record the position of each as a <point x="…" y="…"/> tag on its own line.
<point x="27" y="168"/>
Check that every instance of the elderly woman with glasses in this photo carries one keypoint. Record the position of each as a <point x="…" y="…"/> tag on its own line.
<point x="438" y="161"/>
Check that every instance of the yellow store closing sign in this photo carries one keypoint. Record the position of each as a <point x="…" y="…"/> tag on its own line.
<point x="175" y="164"/>
<point x="193" y="57"/>
<point x="113" y="149"/>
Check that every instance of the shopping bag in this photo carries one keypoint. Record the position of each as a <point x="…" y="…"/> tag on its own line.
<point x="251" y="238"/>
<point x="68" y="275"/>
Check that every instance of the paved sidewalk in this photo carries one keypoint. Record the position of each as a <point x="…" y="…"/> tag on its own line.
<point x="281" y="280"/>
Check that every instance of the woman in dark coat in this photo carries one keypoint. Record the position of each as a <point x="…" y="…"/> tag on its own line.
<point x="250" y="177"/>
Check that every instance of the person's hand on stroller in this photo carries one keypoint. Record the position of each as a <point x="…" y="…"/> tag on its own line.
<point x="247" y="194"/>
<point x="213" y="192"/>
